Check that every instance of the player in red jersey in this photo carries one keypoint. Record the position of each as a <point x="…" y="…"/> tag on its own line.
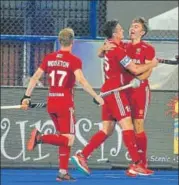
<point x="139" y="98"/>
<point x="141" y="52"/>
<point x="63" y="69"/>
<point x="116" y="105"/>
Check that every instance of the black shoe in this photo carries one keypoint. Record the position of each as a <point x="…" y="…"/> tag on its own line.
<point x="65" y="177"/>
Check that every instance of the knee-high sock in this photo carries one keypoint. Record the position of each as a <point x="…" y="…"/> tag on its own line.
<point x="141" y="140"/>
<point x="64" y="155"/>
<point x="94" y="143"/>
<point x="130" y="143"/>
<point x="54" y="139"/>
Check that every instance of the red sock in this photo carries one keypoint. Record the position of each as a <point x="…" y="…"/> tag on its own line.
<point x="54" y="139"/>
<point x="130" y="143"/>
<point x="64" y="155"/>
<point x="141" y="140"/>
<point x="94" y="143"/>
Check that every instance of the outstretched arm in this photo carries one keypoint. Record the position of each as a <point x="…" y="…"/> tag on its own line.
<point x="86" y="86"/>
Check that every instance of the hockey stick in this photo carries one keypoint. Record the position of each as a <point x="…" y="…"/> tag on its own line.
<point x="167" y="61"/>
<point x="33" y="105"/>
<point x="133" y="84"/>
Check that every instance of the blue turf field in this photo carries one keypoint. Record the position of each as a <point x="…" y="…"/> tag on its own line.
<point x="98" y="177"/>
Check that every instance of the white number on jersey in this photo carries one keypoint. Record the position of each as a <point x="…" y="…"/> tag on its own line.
<point x="106" y="65"/>
<point x="57" y="74"/>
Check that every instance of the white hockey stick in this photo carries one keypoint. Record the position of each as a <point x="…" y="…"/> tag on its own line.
<point x="33" y="105"/>
<point x="134" y="84"/>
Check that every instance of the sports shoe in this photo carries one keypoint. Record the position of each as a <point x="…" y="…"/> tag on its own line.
<point x="131" y="173"/>
<point x="80" y="162"/>
<point x="138" y="169"/>
<point x="151" y="172"/>
<point x="65" y="177"/>
<point x="33" y="140"/>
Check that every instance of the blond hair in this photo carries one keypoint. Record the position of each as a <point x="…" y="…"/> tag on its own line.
<point x="66" y="37"/>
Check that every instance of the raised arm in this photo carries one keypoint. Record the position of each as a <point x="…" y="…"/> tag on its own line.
<point x="105" y="47"/>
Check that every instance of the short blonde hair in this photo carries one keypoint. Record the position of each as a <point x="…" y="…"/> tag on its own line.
<point x="66" y="36"/>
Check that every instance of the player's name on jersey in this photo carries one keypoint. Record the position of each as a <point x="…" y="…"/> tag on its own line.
<point x="52" y="63"/>
<point x="56" y="94"/>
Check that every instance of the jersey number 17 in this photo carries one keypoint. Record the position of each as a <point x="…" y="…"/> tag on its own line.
<point x="59" y="75"/>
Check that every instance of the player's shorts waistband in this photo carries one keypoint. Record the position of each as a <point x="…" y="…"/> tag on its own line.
<point x="56" y="94"/>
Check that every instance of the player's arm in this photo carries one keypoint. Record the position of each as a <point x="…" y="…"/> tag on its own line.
<point x="33" y="81"/>
<point x="86" y="86"/>
<point x="150" y="56"/>
<point x="147" y="73"/>
<point x="136" y="69"/>
<point x="101" y="52"/>
<point x="105" y="47"/>
<point x="26" y="99"/>
<point x="144" y="75"/>
<point x="130" y="65"/>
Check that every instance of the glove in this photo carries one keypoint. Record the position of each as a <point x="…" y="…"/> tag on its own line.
<point x="28" y="98"/>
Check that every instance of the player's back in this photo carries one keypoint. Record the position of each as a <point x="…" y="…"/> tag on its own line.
<point x="60" y="67"/>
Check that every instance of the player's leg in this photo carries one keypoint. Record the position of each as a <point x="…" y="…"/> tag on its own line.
<point x="53" y="139"/>
<point x="66" y="122"/>
<point x="140" y="104"/>
<point x="80" y="159"/>
<point x="121" y="111"/>
<point x="98" y="138"/>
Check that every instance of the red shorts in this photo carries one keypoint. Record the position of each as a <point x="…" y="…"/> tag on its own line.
<point x="116" y="107"/>
<point x="139" y="100"/>
<point x="64" y="120"/>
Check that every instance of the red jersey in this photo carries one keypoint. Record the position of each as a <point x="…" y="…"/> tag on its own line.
<point x="139" y="53"/>
<point x="115" y="62"/>
<point x="60" y="67"/>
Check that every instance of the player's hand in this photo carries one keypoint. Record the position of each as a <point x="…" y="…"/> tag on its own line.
<point x="108" y="46"/>
<point x="98" y="100"/>
<point x="25" y="102"/>
<point x="155" y="62"/>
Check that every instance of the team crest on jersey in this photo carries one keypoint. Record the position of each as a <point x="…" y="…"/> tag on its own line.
<point x="59" y="55"/>
<point x="138" y="50"/>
